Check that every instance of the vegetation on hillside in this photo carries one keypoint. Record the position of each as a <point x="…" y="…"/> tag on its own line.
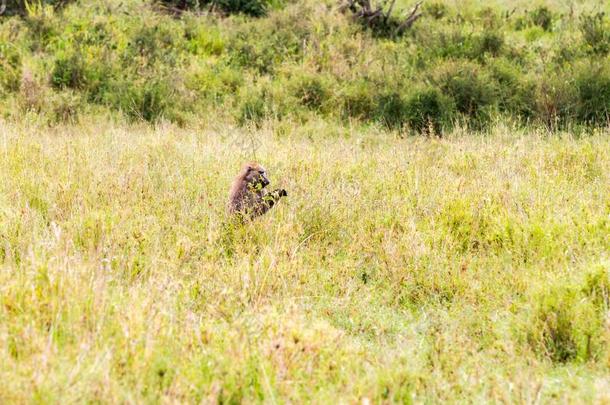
<point x="198" y="61"/>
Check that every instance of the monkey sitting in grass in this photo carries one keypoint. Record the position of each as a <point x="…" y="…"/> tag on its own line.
<point x="248" y="197"/>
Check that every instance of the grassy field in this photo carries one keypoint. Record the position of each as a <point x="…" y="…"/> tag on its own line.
<point x="470" y="268"/>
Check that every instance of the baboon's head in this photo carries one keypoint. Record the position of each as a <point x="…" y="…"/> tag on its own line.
<point x="255" y="175"/>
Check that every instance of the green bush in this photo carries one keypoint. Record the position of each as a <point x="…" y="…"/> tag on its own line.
<point x="489" y="42"/>
<point x="255" y="8"/>
<point x="470" y="87"/>
<point x="515" y="93"/>
<point x="597" y="287"/>
<point x="311" y="91"/>
<point x="149" y="99"/>
<point x="252" y="108"/>
<point x="595" y="30"/>
<point x="567" y="322"/>
<point x="262" y="45"/>
<point x="23" y="7"/>
<point x="10" y="67"/>
<point x="428" y="111"/>
<point x="392" y="110"/>
<point x="467" y="65"/>
<point x="556" y="100"/>
<point x="358" y="100"/>
<point x="68" y="72"/>
<point x="156" y="43"/>
<point x="593" y="84"/>
<point x="436" y="10"/>
<point x="542" y="17"/>
<point x="539" y="17"/>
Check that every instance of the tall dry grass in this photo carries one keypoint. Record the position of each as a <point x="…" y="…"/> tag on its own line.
<point x="466" y="269"/>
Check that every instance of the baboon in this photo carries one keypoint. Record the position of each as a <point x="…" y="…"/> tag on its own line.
<point x="248" y="197"/>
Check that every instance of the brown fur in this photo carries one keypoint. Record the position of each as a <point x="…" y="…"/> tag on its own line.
<point x="248" y="197"/>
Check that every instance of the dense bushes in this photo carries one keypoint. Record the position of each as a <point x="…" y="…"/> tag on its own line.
<point x="306" y="59"/>
<point x="254" y="8"/>
<point x="567" y="322"/>
<point x="596" y="33"/>
<point x="22" y="7"/>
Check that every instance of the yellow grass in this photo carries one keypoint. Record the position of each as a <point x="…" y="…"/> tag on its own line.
<point x="466" y="269"/>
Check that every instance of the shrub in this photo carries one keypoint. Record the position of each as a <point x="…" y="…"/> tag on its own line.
<point x="489" y="42"/>
<point x="593" y="86"/>
<point x="564" y="326"/>
<point x="24" y="7"/>
<point x="155" y="43"/>
<point x="391" y="110"/>
<point x="556" y="99"/>
<point x="10" y="67"/>
<point x="428" y="111"/>
<point x="311" y="91"/>
<point x="148" y="99"/>
<point x="68" y="72"/>
<point x="542" y="17"/>
<point x="437" y="10"/>
<point x="255" y="8"/>
<point x="262" y="45"/>
<point x="65" y="107"/>
<point x="567" y="322"/>
<point x="514" y="91"/>
<point x="252" y="108"/>
<point x="597" y="287"/>
<point x="358" y="100"/>
<point x="470" y="87"/>
<point x="595" y="30"/>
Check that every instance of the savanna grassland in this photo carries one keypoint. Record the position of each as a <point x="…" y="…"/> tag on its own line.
<point x="470" y="268"/>
<point x="446" y="235"/>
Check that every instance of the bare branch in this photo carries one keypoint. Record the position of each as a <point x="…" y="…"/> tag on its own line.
<point x="379" y="18"/>
<point x="387" y="15"/>
<point x="410" y="19"/>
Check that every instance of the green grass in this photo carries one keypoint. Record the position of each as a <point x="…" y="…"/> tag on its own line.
<point x="471" y="268"/>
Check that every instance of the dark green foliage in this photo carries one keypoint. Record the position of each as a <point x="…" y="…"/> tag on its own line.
<point x="153" y="44"/>
<point x="262" y="45"/>
<point x="311" y="91"/>
<point x="515" y="93"/>
<point x="68" y="72"/>
<point x="428" y="111"/>
<point x="436" y="10"/>
<point x="567" y="322"/>
<point x="470" y="87"/>
<point x="581" y="95"/>
<point x="556" y="100"/>
<point x="358" y="101"/>
<point x="252" y="108"/>
<point x="255" y="8"/>
<point x="20" y="7"/>
<point x="593" y="84"/>
<point x="392" y="110"/>
<point x="596" y="32"/>
<point x="148" y="100"/>
<point x="490" y="42"/>
<point x="304" y="60"/>
<point x="542" y="17"/>
<point x="10" y="67"/>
